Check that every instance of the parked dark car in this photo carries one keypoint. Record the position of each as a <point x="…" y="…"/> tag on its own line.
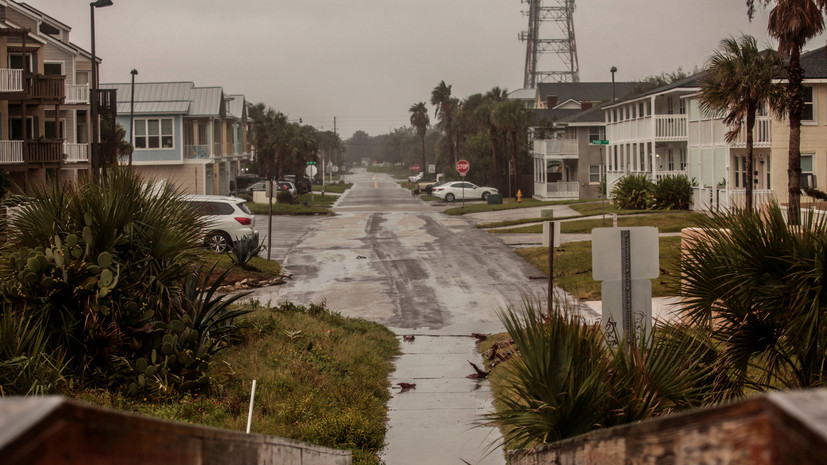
<point x="303" y="185"/>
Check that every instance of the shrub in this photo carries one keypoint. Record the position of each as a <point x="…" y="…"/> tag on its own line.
<point x="285" y="197"/>
<point x="633" y="192"/>
<point x="568" y="379"/>
<point x="756" y="283"/>
<point x="244" y="249"/>
<point x="672" y="193"/>
<point x="103" y="268"/>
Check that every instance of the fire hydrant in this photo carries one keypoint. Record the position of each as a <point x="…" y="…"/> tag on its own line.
<point x="519" y="196"/>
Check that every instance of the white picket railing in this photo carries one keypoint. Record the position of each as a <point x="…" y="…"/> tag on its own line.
<point x="11" y="80"/>
<point x="11" y="151"/>
<point x="76" y="153"/>
<point x="77" y="93"/>
<point x="670" y="127"/>
<point x="761" y="134"/>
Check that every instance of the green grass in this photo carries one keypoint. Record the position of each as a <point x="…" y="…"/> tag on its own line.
<point x="320" y="206"/>
<point x="508" y="204"/>
<point x="573" y="267"/>
<point x="334" y="188"/>
<point x="321" y="378"/>
<point x="264" y="269"/>
<point x="664" y="221"/>
<point x="592" y="208"/>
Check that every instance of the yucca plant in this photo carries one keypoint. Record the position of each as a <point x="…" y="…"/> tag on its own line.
<point x="569" y="378"/>
<point x="672" y="193"/>
<point x="757" y="284"/>
<point x="633" y="192"/>
<point x="27" y="365"/>
<point x="244" y="249"/>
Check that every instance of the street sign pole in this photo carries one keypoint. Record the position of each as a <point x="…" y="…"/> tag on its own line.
<point x="463" y="167"/>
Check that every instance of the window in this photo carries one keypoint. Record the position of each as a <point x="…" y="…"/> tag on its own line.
<point x="806" y="164"/>
<point x="682" y="106"/>
<point x="683" y="159"/>
<point x="670" y="107"/>
<point x="50" y="130"/>
<point x="594" y="134"/>
<point x="16" y="61"/>
<point x="594" y="174"/>
<point x="807" y="110"/>
<point x="640" y="110"/>
<point x="53" y="68"/>
<point x="153" y="133"/>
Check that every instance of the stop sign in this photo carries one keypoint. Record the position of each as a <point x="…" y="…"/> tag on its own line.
<point x="414" y="167"/>
<point x="463" y="167"/>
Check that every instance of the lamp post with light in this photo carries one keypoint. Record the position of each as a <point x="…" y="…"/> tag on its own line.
<point x="134" y="72"/>
<point x="96" y="161"/>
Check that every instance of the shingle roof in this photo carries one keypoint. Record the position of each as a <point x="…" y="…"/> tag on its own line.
<point x="814" y="63"/>
<point x="584" y="91"/>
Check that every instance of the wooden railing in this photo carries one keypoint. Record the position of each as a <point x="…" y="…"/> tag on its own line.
<point x="44" y="151"/>
<point x="46" y="87"/>
<point x="51" y="430"/>
<point x="778" y="428"/>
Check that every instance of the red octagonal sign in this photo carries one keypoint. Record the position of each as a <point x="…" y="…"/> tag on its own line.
<point x="463" y="167"/>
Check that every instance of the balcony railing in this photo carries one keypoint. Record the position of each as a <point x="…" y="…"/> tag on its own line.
<point x="556" y="146"/>
<point x="76" y="153"/>
<point x="662" y="174"/>
<point x="77" y="93"/>
<point x="46" y="87"/>
<point x="44" y="151"/>
<point x="11" y="80"/>
<point x="193" y="152"/>
<point x="761" y="134"/>
<point x="563" y="189"/>
<point x="11" y="151"/>
<point x="670" y="127"/>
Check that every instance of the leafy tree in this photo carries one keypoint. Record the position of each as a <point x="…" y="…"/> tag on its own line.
<point x="420" y="122"/>
<point x="659" y="80"/>
<point x="738" y="80"/>
<point x="270" y="130"/>
<point x="793" y="23"/>
<point x="483" y="115"/>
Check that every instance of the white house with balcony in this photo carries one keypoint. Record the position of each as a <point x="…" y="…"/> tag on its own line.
<point x="648" y="133"/>
<point x="568" y="124"/>
<point x="184" y="134"/>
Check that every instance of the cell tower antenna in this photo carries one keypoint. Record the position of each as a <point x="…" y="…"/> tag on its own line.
<point x="551" y="52"/>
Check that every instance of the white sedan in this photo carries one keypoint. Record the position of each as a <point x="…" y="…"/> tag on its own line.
<point x="462" y="190"/>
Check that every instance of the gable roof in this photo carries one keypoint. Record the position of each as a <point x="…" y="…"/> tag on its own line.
<point x="182" y="98"/>
<point x="583" y="91"/>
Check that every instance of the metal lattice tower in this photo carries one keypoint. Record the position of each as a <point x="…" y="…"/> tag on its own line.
<point x="551" y="57"/>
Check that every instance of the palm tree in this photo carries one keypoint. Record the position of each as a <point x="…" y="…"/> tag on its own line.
<point x="738" y="81"/>
<point x="793" y="23"/>
<point x="420" y="122"/>
<point x="513" y="117"/>
<point x="483" y="117"/>
<point x="445" y="108"/>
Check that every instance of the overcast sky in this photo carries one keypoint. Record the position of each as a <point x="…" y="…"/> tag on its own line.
<point x="367" y="61"/>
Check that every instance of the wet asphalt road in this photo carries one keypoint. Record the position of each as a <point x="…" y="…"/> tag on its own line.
<point x="388" y="257"/>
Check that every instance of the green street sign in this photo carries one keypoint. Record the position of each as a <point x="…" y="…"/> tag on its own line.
<point x="600" y="142"/>
<point x="313" y="162"/>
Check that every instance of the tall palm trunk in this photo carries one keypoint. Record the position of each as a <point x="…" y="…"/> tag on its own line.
<point x="796" y="97"/>
<point x="514" y="159"/>
<point x="492" y="139"/>
<point x="750" y="156"/>
<point x="424" y="164"/>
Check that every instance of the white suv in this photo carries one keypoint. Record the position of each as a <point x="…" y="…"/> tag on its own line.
<point x="228" y="219"/>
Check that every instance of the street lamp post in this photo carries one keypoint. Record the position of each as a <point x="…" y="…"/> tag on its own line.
<point x="134" y="72"/>
<point x="613" y="71"/>
<point x="96" y="162"/>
